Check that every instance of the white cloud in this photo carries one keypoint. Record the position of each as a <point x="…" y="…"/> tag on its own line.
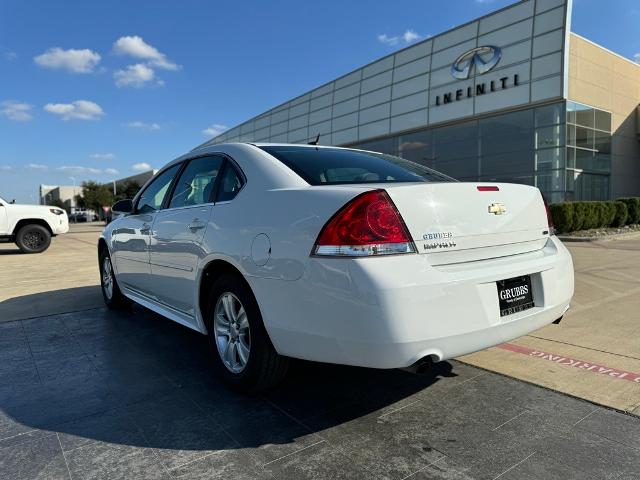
<point x="5" y="168"/>
<point x="485" y="1"/>
<point x="17" y="111"/>
<point x="134" y="76"/>
<point x="636" y="57"/>
<point x="134" y="46"/>
<point x="80" y="110"/>
<point x="102" y="156"/>
<point x="409" y="36"/>
<point x="140" y="74"/>
<point x="36" y="166"/>
<point x="75" y="169"/>
<point x="72" y="60"/>
<point x="140" y="167"/>
<point x="144" y="126"/>
<point x="387" y="40"/>
<point x="79" y="170"/>
<point x="7" y="54"/>
<point x="214" y="130"/>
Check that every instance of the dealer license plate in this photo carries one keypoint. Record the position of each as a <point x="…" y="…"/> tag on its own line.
<point x="515" y="295"/>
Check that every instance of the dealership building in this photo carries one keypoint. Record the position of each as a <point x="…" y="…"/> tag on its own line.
<point x="513" y="96"/>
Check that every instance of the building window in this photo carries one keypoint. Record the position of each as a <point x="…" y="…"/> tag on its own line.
<point x="564" y="149"/>
<point x="588" y="152"/>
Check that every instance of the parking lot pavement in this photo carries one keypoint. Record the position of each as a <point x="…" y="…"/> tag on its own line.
<point x="98" y="394"/>
<point x="95" y="394"/>
<point x="595" y="351"/>
<point x="64" y="278"/>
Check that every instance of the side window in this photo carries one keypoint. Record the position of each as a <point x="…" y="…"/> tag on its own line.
<point x="153" y="196"/>
<point x="196" y="183"/>
<point x="230" y="184"/>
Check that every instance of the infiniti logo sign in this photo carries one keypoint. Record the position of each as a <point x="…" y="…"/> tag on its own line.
<point x="482" y="58"/>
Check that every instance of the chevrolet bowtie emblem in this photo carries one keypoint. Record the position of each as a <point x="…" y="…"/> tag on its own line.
<point x="497" y="208"/>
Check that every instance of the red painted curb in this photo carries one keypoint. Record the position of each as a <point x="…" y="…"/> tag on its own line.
<point x="572" y="362"/>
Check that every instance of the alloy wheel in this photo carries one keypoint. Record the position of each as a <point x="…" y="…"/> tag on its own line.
<point x="232" y="332"/>
<point x="107" y="278"/>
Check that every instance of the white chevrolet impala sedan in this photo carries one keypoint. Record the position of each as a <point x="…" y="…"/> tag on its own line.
<point x="336" y="255"/>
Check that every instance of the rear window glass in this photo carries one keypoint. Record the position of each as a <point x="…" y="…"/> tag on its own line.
<point x="334" y="166"/>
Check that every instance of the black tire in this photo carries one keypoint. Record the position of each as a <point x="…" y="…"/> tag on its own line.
<point x="33" y="238"/>
<point x="116" y="300"/>
<point x="265" y="367"/>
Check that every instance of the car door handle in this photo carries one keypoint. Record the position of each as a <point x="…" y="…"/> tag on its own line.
<point x="196" y="224"/>
<point x="146" y="228"/>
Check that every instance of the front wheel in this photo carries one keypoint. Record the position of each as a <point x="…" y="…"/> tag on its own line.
<point x="111" y="293"/>
<point x="240" y="346"/>
<point x="33" y="239"/>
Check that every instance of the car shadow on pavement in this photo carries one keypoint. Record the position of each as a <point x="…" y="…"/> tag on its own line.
<point x="49" y="303"/>
<point x="108" y="382"/>
<point x="10" y="251"/>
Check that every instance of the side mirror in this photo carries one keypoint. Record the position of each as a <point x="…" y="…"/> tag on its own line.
<point x="123" y="207"/>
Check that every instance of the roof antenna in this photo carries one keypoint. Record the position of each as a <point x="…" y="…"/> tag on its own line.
<point x="315" y="142"/>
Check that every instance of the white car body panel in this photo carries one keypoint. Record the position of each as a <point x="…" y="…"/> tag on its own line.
<point x="392" y="311"/>
<point x="12" y="214"/>
<point x="174" y="254"/>
<point x="130" y="245"/>
<point x="384" y="312"/>
<point x="4" y="219"/>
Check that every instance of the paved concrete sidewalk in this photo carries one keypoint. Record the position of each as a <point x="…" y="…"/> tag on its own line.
<point x="65" y="278"/>
<point x="602" y="330"/>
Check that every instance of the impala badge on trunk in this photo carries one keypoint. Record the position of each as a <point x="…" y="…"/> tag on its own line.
<point x="497" y="208"/>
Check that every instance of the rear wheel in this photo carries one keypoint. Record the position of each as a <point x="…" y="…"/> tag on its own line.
<point x="33" y="238"/>
<point x="111" y="293"/>
<point x="240" y="346"/>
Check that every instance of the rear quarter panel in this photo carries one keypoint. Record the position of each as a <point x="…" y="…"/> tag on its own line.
<point x="291" y="218"/>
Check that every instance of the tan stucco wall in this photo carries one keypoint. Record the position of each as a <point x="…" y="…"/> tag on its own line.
<point x="607" y="81"/>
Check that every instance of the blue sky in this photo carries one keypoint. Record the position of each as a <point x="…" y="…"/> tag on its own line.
<point x="98" y="90"/>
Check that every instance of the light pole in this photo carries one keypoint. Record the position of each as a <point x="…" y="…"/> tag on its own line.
<point x="73" y="197"/>
<point x="73" y="179"/>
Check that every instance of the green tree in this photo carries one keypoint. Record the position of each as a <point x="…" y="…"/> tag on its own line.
<point x="95" y="196"/>
<point x="126" y="190"/>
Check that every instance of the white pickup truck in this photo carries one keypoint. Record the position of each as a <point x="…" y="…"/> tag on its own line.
<point x="31" y="226"/>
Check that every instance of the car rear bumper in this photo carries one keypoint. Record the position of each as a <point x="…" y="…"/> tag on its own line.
<point x="390" y="312"/>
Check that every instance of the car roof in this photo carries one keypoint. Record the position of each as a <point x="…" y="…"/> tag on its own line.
<point x="303" y="145"/>
<point x="265" y="144"/>
<point x="280" y="175"/>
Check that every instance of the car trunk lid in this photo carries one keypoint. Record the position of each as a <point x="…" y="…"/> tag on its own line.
<point x="461" y="222"/>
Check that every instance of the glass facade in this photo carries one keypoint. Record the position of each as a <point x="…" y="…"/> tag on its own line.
<point x="533" y="146"/>
<point x="588" y="152"/>
<point x="406" y="90"/>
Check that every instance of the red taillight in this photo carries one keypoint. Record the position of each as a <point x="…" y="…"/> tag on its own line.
<point x="487" y="188"/>
<point x="369" y="224"/>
